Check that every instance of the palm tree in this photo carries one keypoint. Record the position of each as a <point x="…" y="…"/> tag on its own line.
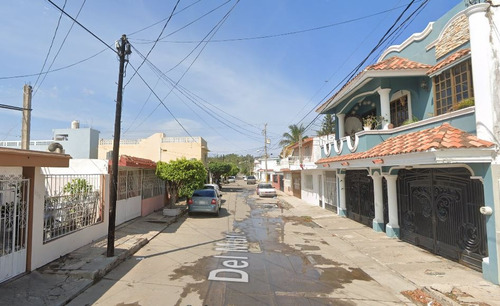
<point x="293" y="136"/>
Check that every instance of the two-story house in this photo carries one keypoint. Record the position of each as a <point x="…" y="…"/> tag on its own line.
<point x="425" y="169"/>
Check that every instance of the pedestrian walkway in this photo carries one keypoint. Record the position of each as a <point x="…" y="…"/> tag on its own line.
<point x="381" y="257"/>
<point x="63" y="279"/>
<point x="449" y="282"/>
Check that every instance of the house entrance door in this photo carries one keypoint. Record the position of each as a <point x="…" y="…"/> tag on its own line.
<point x="13" y="227"/>
<point x="440" y="212"/>
<point x="359" y="196"/>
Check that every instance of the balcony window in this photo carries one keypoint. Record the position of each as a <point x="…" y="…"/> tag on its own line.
<point x="399" y="110"/>
<point x="453" y="86"/>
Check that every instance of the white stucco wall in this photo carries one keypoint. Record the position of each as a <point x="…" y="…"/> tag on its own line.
<point x="42" y="254"/>
<point x="309" y="195"/>
<point x="128" y="209"/>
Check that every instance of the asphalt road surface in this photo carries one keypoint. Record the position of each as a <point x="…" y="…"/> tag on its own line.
<point x="252" y="254"/>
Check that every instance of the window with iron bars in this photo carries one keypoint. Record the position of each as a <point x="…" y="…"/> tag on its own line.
<point x="72" y="202"/>
<point x="152" y="185"/>
<point x="129" y="184"/>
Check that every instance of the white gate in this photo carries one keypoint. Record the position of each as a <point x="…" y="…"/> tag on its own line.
<point x="330" y="191"/>
<point x="13" y="227"/>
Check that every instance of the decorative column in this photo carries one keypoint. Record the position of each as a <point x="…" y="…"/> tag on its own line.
<point x="385" y="107"/>
<point x="378" y="221"/>
<point x="484" y="21"/>
<point x="484" y="58"/>
<point x="340" y="124"/>
<point x="342" y="211"/>
<point x="392" y="228"/>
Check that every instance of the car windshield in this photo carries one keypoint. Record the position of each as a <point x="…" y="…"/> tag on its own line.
<point x="204" y="193"/>
<point x="209" y="187"/>
<point x="251" y="177"/>
<point x="265" y="186"/>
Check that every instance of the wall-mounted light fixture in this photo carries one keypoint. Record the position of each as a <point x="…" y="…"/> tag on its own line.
<point x="424" y="84"/>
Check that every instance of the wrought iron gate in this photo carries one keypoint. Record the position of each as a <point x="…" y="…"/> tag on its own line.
<point x="330" y="191"/>
<point x="13" y="227"/>
<point x="359" y="196"/>
<point x="439" y="211"/>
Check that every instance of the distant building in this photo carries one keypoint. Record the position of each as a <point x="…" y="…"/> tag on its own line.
<point x="157" y="147"/>
<point x="75" y="141"/>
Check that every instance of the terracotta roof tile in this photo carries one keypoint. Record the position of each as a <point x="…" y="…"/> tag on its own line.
<point x="393" y="63"/>
<point x="136" y="162"/>
<point x="450" y="59"/>
<point x="441" y="137"/>
<point x="397" y="63"/>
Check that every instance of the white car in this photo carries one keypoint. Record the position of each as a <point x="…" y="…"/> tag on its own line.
<point x="231" y="179"/>
<point x="215" y="187"/>
<point x="266" y="190"/>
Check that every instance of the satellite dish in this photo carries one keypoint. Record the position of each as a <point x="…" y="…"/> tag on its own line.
<point x="352" y="125"/>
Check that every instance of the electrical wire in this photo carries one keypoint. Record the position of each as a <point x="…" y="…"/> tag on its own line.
<point x="155" y="42"/>
<point x="60" y="48"/>
<point x="191" y="97"/>
<point x="144" y="41"/>
<point x="286" y="33"/>
<point x="161" y="102"/>
<point x="83" y="27"/>
<point x="213" y="31"/>
<point x="51" y="44"/>
<point x="158" y="22"/>
<point x="356" y="69"/>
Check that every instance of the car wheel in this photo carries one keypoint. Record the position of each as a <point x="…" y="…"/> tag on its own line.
<point x="217" y="214"/>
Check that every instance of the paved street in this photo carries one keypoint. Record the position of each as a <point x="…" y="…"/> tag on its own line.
<point x="250" y="255"/>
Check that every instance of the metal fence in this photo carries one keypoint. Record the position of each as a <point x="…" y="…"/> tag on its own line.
<point x="152" y="185"/>
<point x="129" y="184"/>
<point x="72" y="202"/>
<point x="14" y="196"/>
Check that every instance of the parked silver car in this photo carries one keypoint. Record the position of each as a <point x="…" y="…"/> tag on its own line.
<point x="204" y="201"/>
<point x="215" y="187"/>
<point x="251" y="180"/>
<point x="266" y="190"/>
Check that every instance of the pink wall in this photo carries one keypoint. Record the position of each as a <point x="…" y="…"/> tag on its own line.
<point x="152" y="204"/>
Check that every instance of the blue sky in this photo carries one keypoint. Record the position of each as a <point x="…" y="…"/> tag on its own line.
<point x="260" y="66"/>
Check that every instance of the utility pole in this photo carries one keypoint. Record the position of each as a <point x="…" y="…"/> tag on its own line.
<point x="26" y="124"/>
<point x="300" y="151"/>
<point x="123" y="49"/>
<point x="265" y="150"/>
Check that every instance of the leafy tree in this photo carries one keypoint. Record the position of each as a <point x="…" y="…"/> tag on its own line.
<point x="219" y="168"/>
<point x="234" y="170"/>
<point x="328" y="126"/>
<point x="293" y="136"/>
<point x="182" y="177"/>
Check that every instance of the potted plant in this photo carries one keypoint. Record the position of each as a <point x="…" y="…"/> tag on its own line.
<point x="371" y="121"/>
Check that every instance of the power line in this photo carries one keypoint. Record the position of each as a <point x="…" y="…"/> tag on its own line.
<point x="51" y="43"/>
<point x="158" y="22"/>
<point x="213" y="31"/>
<point x="155" y="42"/>
<point x="83" y="27"/>
<point x="356" y="69"/>
<point x="192" y="97"/>
<point x="60" y="48"/>
<point x="286" y="33"/>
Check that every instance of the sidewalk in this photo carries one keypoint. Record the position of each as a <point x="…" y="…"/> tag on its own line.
<point x="448" y="282"/>
<point x="384" y="259"/>
<point x="65" y="278"/>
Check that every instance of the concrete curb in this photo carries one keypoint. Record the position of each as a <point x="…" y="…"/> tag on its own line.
<point x="99" y="274"/>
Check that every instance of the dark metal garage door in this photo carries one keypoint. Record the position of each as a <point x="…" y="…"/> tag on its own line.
<point x="359" y="196"/>
<point x="439" y="211"/>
